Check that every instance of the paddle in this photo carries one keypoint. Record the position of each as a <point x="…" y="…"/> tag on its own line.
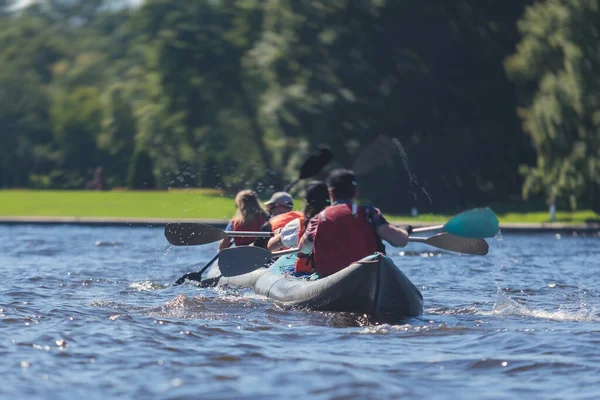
<point x="475" y="223"/>
<point x="194" y="234"/>
<point x="313" y="165"/>
<point x="446" y="241"/>
<point x="245" y="259"/>
<point x="196" y="276"/>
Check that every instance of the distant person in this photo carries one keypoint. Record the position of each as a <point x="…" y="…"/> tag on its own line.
<point x="90" y="183"/>
<point x="99" y="178"/>
<point x="280" y="207"/>
<point x="316" y="199"/>
<point x="250" y="216"/>
<point x="346" y="232"/>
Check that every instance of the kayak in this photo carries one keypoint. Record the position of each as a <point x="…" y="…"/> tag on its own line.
<point x="373" y="285"/>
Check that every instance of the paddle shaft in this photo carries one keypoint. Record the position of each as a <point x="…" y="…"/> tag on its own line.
<point x="291" y="185"/>
<point x="285" y="252"/>
<point x="248" y="234"/>
<point x="428" y="228"/>
<point x="196" y="276"/>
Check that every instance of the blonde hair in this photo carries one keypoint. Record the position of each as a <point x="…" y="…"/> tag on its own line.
<point x="249" y="208"/>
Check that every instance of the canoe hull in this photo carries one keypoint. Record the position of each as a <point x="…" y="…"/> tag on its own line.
<point x="373" y="286"/>
<point x="239" y="281"/>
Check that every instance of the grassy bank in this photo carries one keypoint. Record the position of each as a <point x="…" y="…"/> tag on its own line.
<point x="200" y="203"/>
<point x="151" y="204"/>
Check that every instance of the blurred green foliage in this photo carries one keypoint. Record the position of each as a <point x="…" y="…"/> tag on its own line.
<point x="234" y="94"/>
<point x="557" y="65"/>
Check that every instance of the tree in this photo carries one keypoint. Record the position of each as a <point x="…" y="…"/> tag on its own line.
<point x="430" y="73"/>
<point x="556" y="65"/>
<point x="141" y="174"/>
<point x="76" y="122"/>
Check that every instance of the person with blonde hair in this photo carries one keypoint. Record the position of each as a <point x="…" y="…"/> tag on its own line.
<point x="250" y="216"/>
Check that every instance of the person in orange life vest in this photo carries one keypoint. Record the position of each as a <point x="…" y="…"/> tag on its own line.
<point x="346" y="232"/>
<point x="280" y="210"/>
<point x="316" y="199"/>
<point x="250" y="216"/>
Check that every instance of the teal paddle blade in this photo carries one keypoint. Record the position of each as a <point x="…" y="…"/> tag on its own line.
<point x="476" y="223"/>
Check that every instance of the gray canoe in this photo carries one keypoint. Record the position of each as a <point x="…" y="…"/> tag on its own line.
<point x="373" y="286"/>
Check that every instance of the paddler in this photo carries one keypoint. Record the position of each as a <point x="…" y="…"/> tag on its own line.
<point x="345" y="232"/>
<point x="250" y="216"/>
<point x="280" y="207"/>
<point x="316" y="199"/>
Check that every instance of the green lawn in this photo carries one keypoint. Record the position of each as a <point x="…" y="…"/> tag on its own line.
<point x="194" y="204"/>
<point x="152" y="204"/>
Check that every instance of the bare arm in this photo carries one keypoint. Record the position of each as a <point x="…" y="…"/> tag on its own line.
<point x="225" y="243"/>
<point x="305" y="246"/>
<point x="395" y="236"/>
<point x="275" y="242"/>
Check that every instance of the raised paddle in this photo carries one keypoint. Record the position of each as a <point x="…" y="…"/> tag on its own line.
<point x="475" y="223"/>
<point x="245" y="259"/>
<point x="194" y="234"/>
<point x="313" y="165"/>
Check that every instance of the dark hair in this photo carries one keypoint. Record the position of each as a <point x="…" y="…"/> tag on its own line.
<point x="342" y="183"/>
<point x="317" y="198"/>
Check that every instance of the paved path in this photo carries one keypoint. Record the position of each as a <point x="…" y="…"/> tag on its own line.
<point x="150" y="222"/>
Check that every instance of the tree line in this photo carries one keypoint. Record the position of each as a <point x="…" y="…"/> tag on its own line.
<point x="487" y="101"/>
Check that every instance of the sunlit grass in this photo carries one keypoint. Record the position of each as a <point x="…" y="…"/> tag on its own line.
<point x="140" y="204"/>
<point x="193" y="203"/>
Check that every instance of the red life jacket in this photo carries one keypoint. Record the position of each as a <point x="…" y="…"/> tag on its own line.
<point x="252" y="226"/>
<point x="343" y="236"/>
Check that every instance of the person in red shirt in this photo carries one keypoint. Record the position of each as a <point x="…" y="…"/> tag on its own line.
<point x="250" y="216"/>
<point x="345" y="232"/>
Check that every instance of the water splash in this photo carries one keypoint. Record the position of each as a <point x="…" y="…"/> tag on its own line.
<point x="383" y="151"/>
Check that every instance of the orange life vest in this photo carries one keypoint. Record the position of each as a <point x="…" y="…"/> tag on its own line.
<point x="343" y="236"/>
<point x="252" y="226"/>
<point x="281" y="220"/>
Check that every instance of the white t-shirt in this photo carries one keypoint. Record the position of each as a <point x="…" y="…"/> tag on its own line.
<point x="289" y="233"/>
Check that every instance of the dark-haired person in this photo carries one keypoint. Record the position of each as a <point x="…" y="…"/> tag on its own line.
<point x="250" y="216"/>
<point x="345" y="232"/>
<point x="316" y="199"/>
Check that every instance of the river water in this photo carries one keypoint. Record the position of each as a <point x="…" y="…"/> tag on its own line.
<point x="89" y="312"/>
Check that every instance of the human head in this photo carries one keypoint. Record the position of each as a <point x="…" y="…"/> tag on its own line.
<point x="279" y="203"/>
<point x="248" y="206"/>
<point x="342" y="184"/>
<point x="316" y="198"/>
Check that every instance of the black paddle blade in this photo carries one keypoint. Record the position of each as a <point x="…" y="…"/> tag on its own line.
<point x="315" y="163"/>
<point x="191" y="234"/>
<point x="446" y="241"/>
<point x="242" y="260"/>
<point x="192" y="276"/>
